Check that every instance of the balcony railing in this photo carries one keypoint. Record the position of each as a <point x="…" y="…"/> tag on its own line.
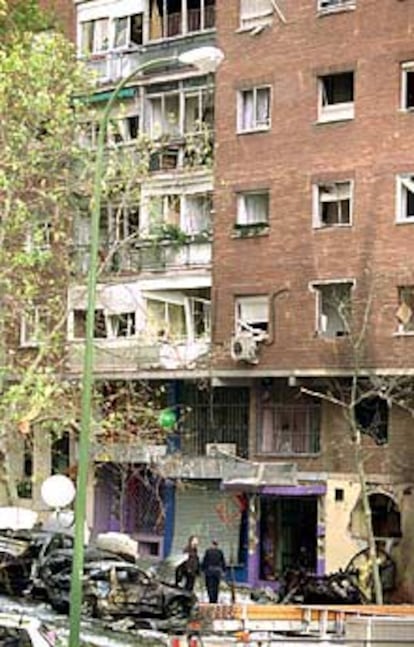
<point x="123" y="355"/>
<point x="141" y="257"/>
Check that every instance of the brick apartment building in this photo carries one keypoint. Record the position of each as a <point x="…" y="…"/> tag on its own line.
<point x="307" y="274"/>
<point x="313" y="206"/>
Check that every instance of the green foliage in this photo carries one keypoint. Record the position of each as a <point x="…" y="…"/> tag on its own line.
<point x="21" y="16"/>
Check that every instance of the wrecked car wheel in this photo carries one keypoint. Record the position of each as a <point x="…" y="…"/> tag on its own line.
<point x="177" y="608"/>
<point x="89" y="607"/>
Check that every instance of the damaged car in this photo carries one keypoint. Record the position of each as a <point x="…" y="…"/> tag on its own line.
<point x="119" y="589"/>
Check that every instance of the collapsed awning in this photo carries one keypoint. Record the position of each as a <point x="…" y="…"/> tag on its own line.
<point x="254" y="477"/>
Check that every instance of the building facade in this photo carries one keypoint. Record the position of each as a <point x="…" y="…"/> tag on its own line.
<point x="256" y="278"/>
<point x="312" y="277"/>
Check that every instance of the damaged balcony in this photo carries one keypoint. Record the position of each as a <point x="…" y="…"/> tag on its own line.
<point x="115" y="44"/>
<point x="138" y="330"/>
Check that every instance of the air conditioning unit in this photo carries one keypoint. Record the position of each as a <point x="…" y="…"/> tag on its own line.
<point x="221" y="449"/>
<point x="244" y="348"/>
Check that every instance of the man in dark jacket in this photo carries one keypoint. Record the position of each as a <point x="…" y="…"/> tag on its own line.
<point x="213" y="566"/>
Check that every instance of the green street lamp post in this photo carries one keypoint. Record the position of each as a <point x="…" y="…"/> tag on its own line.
<point x="205" y="59"/>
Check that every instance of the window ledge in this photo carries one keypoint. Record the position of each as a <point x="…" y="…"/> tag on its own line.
<point x="402" y="333"/>
<point x="289" y="454"/>
<point x="250" y="231"/>
<point x="333" y="120"/>
<point x="321" y="227"/>
<point x="254" y="131"/>
<point x="406" y="221"/>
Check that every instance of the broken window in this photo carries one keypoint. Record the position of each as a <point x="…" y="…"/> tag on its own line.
<point x="34" y="325"/>
<point x="255" y="12"/>
<point x="386" y="517"/>
<point x="333" y="204"/>
<point x="166" y="320"/>
<point x="198" y="109"/>
<point x="164" y="118"/>
<point x="121" y="324"/>
<point x="254" y="109"/>
<point x="336" y="96"/>
<point x="332" y="5"/>
<point x="128" y="31"/>
<point x="371" y="416"/>
<point x="79" y="324"/>
<point x="200" y="15"/>
<point x="170" y="18"/>
<point x="252" y="314"/>
<point x="253" y="208"/>
<point x="120" y="222"/>
<point x="405" y="309"/>
<point x="163" y="210"/>
<point x="405" y="198"/>
<point x="407" y="86"/>
<point x="200" y="310"/>
<point x="197" y="209"/>
<point x="60" y="454"/>
<point x="166" y="18"/>
<point x="94" y="36"/>
<point x="40" y="236"/>
<point x="333" y="309"/>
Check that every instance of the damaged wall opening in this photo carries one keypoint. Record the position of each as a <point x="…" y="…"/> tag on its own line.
<point x="288" y="529"/>
<point x="386" y="517"/>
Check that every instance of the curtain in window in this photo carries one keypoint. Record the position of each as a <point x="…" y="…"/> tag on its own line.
<point x="247" y="118"/>
<point x="253" y="311"/>
<point x="87" y="37"/>
<point x="255" y="208"/>
<point x="263" y="106"/>
<point x="197" y="214"/>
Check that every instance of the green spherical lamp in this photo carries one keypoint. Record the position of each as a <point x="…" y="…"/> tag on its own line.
<point x="167" y="419"/>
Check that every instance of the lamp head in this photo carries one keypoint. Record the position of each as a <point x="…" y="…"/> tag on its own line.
<point x="206" y="59"/>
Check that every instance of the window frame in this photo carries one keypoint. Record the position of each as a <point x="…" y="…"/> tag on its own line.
<point x="242" y="212"/>
<point x="129" y="44"/>
<point x="401" y="198"/>
<point x="38" y="323"/>
<point x="241" y="106"/>
<point x="337" y="111"/>
<point x="401" y="327"/>
<point x="406" y="68"/>
<point x="96" y="48"/>
<point x="241" y="326"/>
<point x="336" y="7"/>
<point x="317" y="219"/>
<point x="317" y="287"/>
<point x="255" y="19"/>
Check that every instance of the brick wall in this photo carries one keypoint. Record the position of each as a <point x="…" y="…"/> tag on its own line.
<point x="371" y="149"/>
<point x="64" y="11"/>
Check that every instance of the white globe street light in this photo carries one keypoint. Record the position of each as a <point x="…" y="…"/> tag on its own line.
<point x="58" y="491"/>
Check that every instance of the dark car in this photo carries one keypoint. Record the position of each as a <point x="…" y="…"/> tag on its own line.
<point x="21" y="551"/>
<point x="120" y="588"/>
